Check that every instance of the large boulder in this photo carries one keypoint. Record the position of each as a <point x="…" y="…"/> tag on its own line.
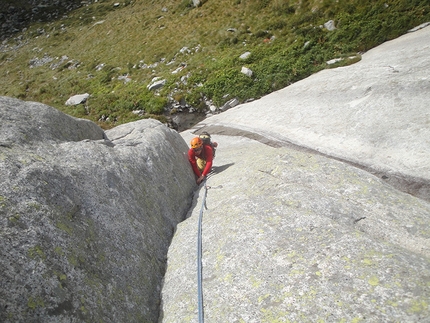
<point x="86" y="216"/>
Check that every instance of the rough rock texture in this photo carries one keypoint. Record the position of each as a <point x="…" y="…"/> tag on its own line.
<point x="86" y="217"/>
<point x="291" y="236"/>
<point x="303" y="223"/>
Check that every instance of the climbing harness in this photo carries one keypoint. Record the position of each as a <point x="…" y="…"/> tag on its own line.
<point x="199" y="256"/>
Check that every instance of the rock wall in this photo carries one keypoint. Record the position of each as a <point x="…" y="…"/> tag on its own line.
<point x="86" y="216"/>
<point x="374" y="113"/>
<point x="291" y="236"/>
<point x="322" y="213"/>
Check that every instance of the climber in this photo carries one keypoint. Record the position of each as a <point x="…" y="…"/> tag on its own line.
<point x="201" y="156"/>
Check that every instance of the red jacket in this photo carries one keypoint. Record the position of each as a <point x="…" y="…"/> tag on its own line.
<point x="206" y="154"/>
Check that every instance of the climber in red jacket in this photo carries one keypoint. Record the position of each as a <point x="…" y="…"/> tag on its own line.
<point x="200" y="156"/>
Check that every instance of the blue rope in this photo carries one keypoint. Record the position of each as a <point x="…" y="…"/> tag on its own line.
<point x="199" y="257"/>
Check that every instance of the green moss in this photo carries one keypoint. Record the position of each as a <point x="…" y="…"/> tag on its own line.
<point x="64" y="227"/>
<point x="255" y="282"/>
<point x="2" y="201"/>
<point x="83" y="310"/>
<point x="37" y="157"/>
<point x="101" y="258"/>
<point x="14" y="219"/>
<point x="34" y="302"/>
<point x="373" y="280"/>
<point x="271" y="316"/>
<point x="36" y="252"/>
<point x="419" y="305"/>
<point x="367" y="262"/>
<point x="35" y="205"/>
<point x="73" y="260"/>
<point x="59" y="251"/>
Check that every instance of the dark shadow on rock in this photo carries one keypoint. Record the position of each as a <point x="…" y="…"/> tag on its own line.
<point x="194" y="200"/>
<point x="219" y="169"/>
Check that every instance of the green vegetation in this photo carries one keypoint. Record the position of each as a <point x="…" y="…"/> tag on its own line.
<point x="65" y="227"/>
<point x="94" y="47"/>
<point x="36" y="252"/>
<point x="14" y="219"/>
<point x="35" y="302"/>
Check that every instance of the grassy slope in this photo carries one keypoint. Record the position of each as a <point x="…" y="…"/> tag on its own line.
<point x="140" y="32"/>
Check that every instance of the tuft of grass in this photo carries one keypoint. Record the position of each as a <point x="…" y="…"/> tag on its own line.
<point x="94" y="47"/>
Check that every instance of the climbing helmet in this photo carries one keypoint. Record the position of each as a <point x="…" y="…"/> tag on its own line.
<point x="196" y="143"/>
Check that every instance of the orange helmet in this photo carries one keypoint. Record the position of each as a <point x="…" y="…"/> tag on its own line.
<point x="196" y="143"/>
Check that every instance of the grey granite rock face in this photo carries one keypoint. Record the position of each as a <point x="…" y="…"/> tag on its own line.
<point x="86" y="217"/>
<point x="32" y="123"/>
<point x="290" y="236"/>
<point x="374" y="113"/>
<point x="322" y="213"/>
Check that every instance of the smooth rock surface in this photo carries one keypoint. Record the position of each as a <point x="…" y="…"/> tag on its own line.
<point x="374" y="113"/>
<point x="309" y="214"/>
